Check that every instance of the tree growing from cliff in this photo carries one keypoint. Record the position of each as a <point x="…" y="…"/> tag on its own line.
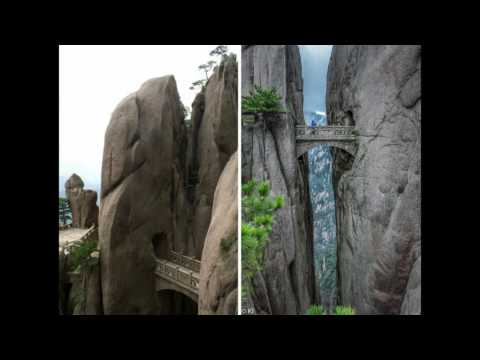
<point x="258" y="208"/>
<point x="200" y="83"/>
<point x="262" y="100"/>
<point x="207" y="67"/>
<point x="220" y="50"/>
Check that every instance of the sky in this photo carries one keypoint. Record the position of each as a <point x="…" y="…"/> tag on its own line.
<point x="315" y="60"/>
<point x="95" y="78"/>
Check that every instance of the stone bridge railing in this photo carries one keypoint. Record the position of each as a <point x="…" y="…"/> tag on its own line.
<point x="179" y="272"/>
<point x="343" y="137"/>
<point x="179" y="275"/>
<point x="183" y="260"/>
<point x="325" y="133"/>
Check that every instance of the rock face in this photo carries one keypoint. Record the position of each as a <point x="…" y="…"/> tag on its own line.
<point x="143" y="195"/>
<point x="214" y="118"/>
<point x="377" y="89"/>
<point x="218" y="273"/>
<point x="158" y="184"/>
<point x="82" y="202"/>
<point x="84" y="295"/>
<point x="286" y="285"/>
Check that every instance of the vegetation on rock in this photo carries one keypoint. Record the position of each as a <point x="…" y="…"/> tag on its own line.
<point x="220" y="50"/>
<point x="315" y="310"/>
<point x="262" y="100"/>
<point x="344" y="310"/>
<point x="200" y="83"/>
<point x="82" y="255"/>
<point x="257" y="219"/>
<point x="339" y="310"/>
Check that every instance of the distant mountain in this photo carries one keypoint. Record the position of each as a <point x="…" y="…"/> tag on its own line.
<point x="315" y="118"/>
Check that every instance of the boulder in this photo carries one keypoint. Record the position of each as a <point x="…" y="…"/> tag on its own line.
<point x="218" y="272"/>
<point x="83" y="203"/>
<point x="143" y="195"/>
<point x="377" y="89"/>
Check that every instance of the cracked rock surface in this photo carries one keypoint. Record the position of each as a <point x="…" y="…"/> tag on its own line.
<point x="377" y="89"/>
<point x="286" y="284"/>
<point x="214" y="140"/>
<point x="218" y="272"/>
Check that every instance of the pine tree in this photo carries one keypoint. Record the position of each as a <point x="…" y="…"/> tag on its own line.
<point x="258" y="209"/>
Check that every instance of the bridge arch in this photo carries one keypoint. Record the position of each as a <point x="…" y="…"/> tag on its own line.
<point x="173" y="302"/>
<point x="162" y="284"/>
<point x="304" y="147"/>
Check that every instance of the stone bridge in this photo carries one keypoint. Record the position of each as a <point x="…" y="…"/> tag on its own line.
<point x="342" y="137"/>
<point x="177" y="272"/>
<point x="307" y="138"/>
<point x="180" y="273"/>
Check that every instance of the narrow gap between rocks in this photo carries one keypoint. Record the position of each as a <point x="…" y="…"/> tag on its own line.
<point x="315" y="60"/>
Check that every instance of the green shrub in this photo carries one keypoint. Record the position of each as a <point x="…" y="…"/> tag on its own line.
<point x="79" y="257"/>
<point x="257" y="219"/>
<point x="339" y="310"/>
<point x="262" y="100"/>
<point x="344" y="310"/>
<point x="315" y="310"/>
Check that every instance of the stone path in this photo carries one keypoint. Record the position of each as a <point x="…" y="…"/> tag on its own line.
<point x="70" y="235"/>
